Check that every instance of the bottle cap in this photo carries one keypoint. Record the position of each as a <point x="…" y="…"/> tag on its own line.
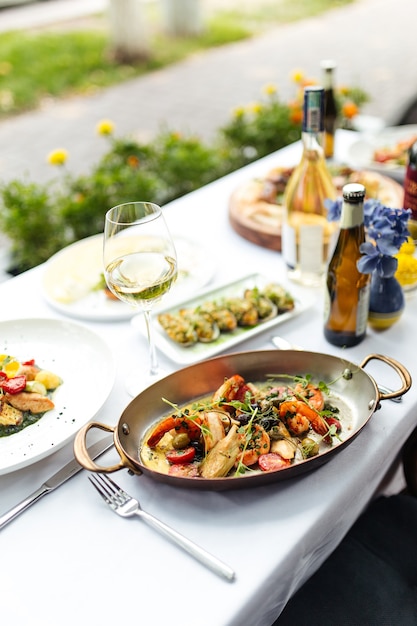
<point x="354" y="192"/>
<point x="328" y="65"/>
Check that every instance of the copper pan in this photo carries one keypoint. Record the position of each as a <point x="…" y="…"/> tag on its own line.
<point x="356" y="389"/>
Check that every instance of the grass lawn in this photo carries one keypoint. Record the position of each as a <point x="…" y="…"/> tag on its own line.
<point x="60" y="61"/>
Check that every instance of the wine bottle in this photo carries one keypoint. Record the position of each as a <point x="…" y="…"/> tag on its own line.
<point x="330" y="107"/>
<point x="347" y="289"/>
<point x="410" y="189"/>
<point x="306" y="232"/>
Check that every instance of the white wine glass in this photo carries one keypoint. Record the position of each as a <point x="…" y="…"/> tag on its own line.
<point x="140" y="265"/>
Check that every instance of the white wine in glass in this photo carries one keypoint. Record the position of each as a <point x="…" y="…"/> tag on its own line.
<point x="140" y="265"/>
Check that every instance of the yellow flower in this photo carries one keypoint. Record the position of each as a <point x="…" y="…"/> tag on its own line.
<point x="238" y="112"/>
<point x="344" y="90"/>
<point x="105" y="127"/>
<point x="254" y="107"/>
<point x="297" y="76"/>
<point x="406" y="273"/>
<point x="57" y="157"/>
<point x="270" y="89"/>
<point x="408" y="247"/>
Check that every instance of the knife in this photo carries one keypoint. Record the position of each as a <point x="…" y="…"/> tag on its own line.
<point x="61" y="476"/>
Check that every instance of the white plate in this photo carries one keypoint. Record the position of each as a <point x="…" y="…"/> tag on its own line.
<point x="360" y="153"/>
<point x="72" y="274"/>
<point x="85" y="364"/>
<point x="188" y="355"/>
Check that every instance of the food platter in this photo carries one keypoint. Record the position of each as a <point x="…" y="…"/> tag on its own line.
<point x="54" y="345"/>
<point x="255" y="206"/>
<point x="186" y="355"/>
<point x="73" y="276"/>
<point x="355" y="392"/>
<point x="362" y="152"/>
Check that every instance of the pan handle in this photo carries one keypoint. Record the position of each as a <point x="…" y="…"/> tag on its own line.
<point x="81" y="451"/>
<point x="402" y="372"/>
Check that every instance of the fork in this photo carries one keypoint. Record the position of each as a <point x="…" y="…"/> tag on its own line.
<point x="126" y="506"/>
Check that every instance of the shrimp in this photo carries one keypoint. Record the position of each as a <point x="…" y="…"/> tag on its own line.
<point x="299" y="416"/>
<point x="259" y="443"/>
<point x="183" y="424"/>
<point x="312" y="394"/>
<point x="233" y="388"/>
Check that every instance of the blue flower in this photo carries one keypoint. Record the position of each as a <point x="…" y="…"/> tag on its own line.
<point x="386" y="231"/>
<point x="334" y="209"/>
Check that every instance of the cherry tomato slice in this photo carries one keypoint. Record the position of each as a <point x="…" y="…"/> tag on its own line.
<point x="186" y="455"/>
<point x="13" y="385"/>
<point x="272" y="462"/>
<point x="187" y="469"/>
<point x="332" y="421"/>
<point x="30" y="362"/>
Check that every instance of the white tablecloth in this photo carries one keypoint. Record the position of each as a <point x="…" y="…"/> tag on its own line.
<point x="70" y="560"/>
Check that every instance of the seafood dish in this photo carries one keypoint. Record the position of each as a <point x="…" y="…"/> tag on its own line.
<point x="396" y="154"/>
<point x="205" y="322"/>
<point x="246" y="427"/>
<point x="25" y="393"/>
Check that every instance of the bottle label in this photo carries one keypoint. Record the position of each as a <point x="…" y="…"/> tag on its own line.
<point x="352" y="215"/>
<point x="311" y="249"/>
<point x="313" y="113"/>
<point x="289" y="245"/>
<point x="363" y="309"/>
<point x="410" y="191"/>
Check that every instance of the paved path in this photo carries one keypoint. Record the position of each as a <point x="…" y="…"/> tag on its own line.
<point x="373" y="42"/>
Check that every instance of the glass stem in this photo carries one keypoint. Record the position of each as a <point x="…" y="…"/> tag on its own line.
<point x="153" y="360"/>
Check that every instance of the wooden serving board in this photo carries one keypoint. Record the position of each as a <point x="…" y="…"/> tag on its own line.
<point x="259" y="221"/>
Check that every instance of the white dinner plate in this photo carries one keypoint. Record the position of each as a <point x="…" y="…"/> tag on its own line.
<point x="71" y="277"/>
<point x="361" y="152"/>
<point x="84" y="363"/>
<point x="188" y="355"/>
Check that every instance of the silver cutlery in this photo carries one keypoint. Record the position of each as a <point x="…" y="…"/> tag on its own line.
<point x="126" y="506"/>
<point x="283" y="344"/>
<point x="61" y="476"/>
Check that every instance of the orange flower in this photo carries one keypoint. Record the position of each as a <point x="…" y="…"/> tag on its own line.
<point x="308" y="82"/>
<point x="349" y="110"/>
<point x="133" y="161"/>
<point x="296" y="115"/>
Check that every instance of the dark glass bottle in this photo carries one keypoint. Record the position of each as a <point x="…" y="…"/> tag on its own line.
<point x="347" y="289"/>
<point x="330" y="107"/>
<point x="410" y="189"/>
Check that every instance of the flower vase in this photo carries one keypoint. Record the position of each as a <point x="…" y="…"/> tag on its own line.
<point x="386" y="302"/>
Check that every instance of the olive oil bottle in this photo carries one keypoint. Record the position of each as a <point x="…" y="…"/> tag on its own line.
<point x="347" y="289"/>
<point x="306" y="232"/>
